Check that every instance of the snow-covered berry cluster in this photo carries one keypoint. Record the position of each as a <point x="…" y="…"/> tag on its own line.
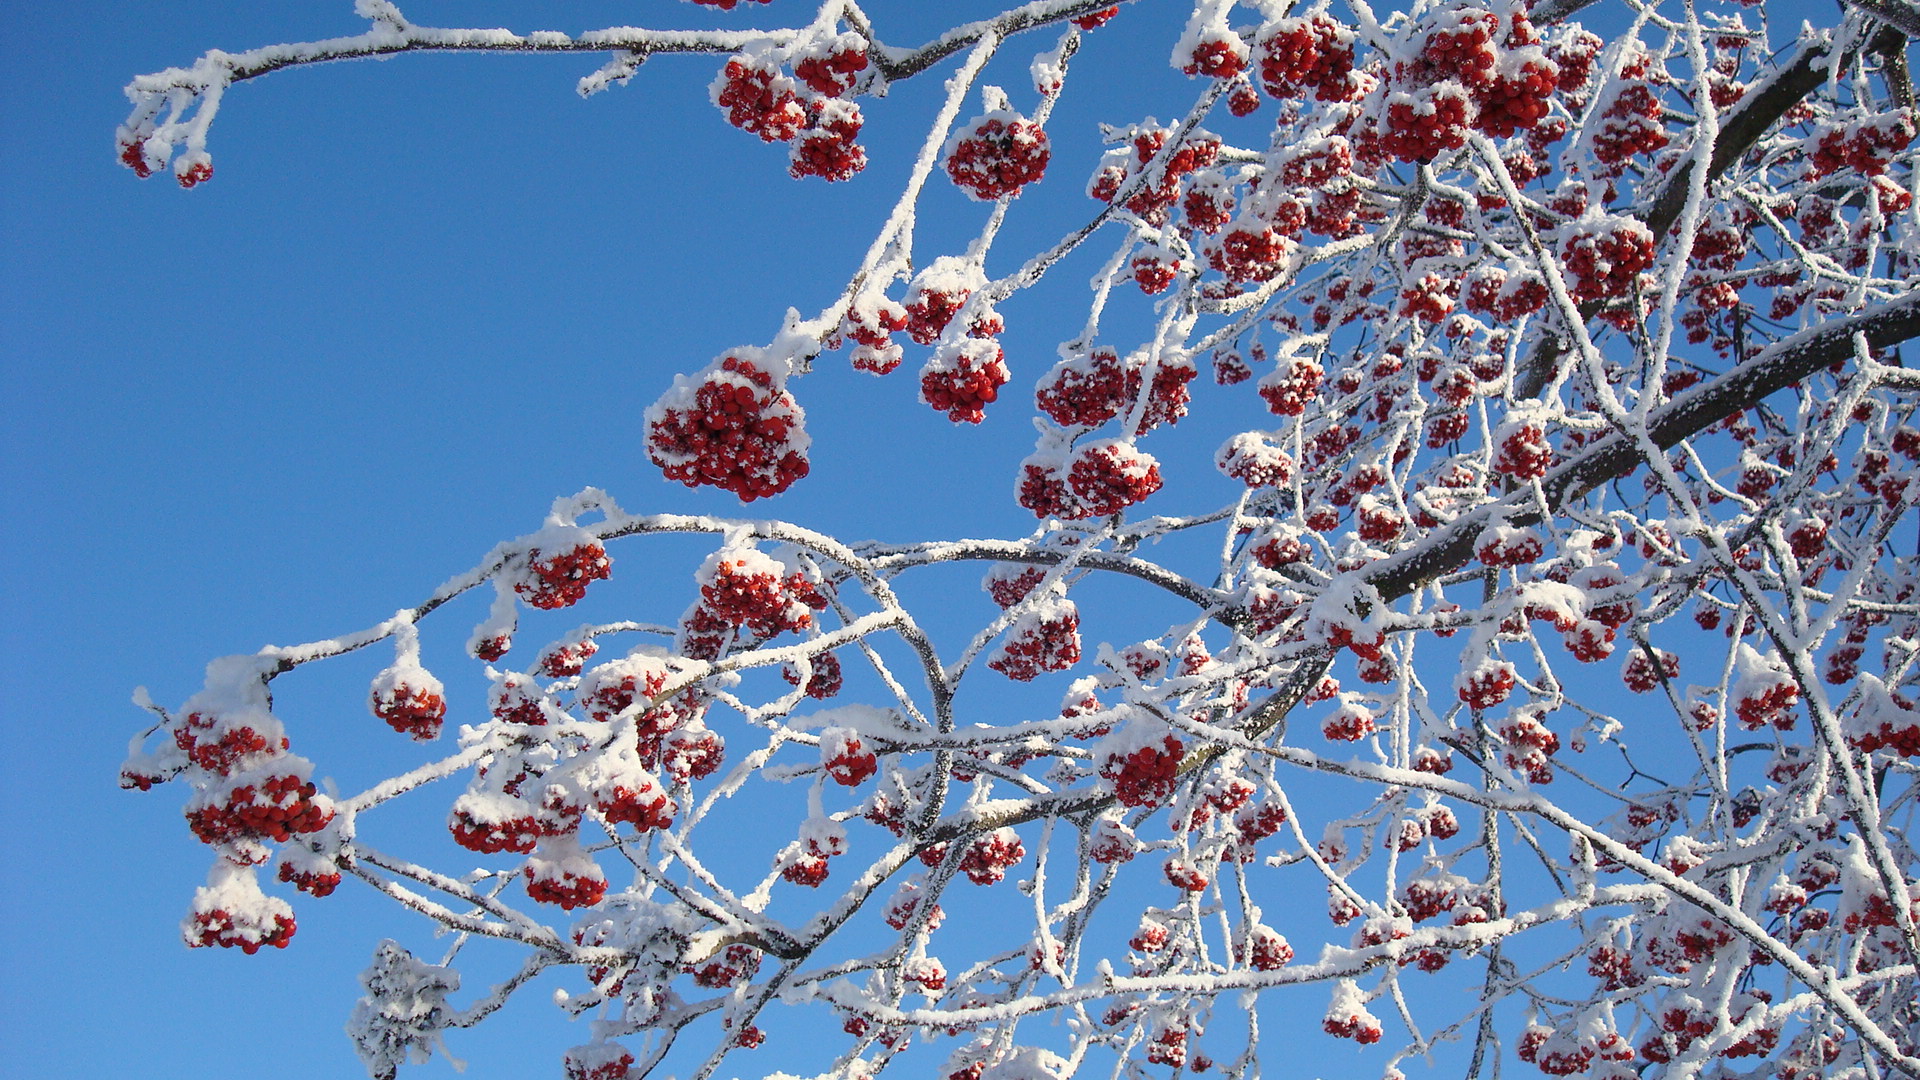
<point x="996" y="155"/>
<point x="733" y="426"/>
<point x="1045" y="637"/>
<point x="962" y="378"/>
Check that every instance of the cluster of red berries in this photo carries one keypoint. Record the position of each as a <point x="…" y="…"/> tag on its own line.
<point x="217" y="741"/>
<point x="1255" y="460"/>
<point x="870" y="322"/>
<point x="608" y="1061"/>
<point x="569" y="879"/>
<point x="1864" y="147"/>
<point x="825" y="147"/>
<point x="1359" y="1025"/>
<point x="1894" y="726"/>
<point x="747" y="588"/>
<point x="997" y="155"/>
<point x="1292" y="385"/>
<point x="1521" y="449"/>
<point x="1469" y="71"/>
<point x="1604" y="254"/>
<point x="1504" y="294"/>
<point x="313" y="874"/>
<point x="1295" y="54"/>
<point x="962" y="379"/>
<point x="237" y="930"/>
<point x="1093" y="388"/>
<point x="1640" y="673"/>
<point x="1506" y="545"/>
<point x="831" y="66"/>
<point x="1168" y="1045"/>
<point x="417" y="711"/>
<point x="1101" y="477"/>
<point x="1252" y="249"/>
<point x="1264" y="949"/>
<point x="560" y="580"/>
<point x="1486" y="685"/>
<point x="1350" y="721"/>
<point x="1097" y="19"/>
<point x="638" y="800"/>
<point x="1046" y="638"/>
<point x="987" y="858"/>
<point x="1154" y="269"/>
<point x="1155" y="200"/>
<point x="490" y="823"/>
<point x="736" y="428"/>
<point x="757" y="98"/>
<point x="262" y="805"/>
<point x="1145" y="774"/>
<point x="1215" y="52"/>
<point x="846" y="758"/>
<point x="824" y="681"/>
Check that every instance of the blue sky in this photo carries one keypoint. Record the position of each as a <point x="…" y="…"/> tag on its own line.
<point x="419" y="299"/>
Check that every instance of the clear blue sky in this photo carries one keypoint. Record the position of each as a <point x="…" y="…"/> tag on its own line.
<point x="419" y="299"/>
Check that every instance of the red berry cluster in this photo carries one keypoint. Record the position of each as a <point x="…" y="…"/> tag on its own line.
<point x="560" y="580"/>
<point x="1640" y="673"/>
<point x="410" y="710"/>
<point x="1504" y="294"/>
<point x="1144" y="775"/>
<point x="987" y="858"/>
<point x="1215" y="52"/>
<point x="607" y="1061"/>
<point x="636" y="798"/>
<point x="1295" y="54"/>
<point x="1009" y="583"/>
<point x="1046" y="638"/>
<point x="1351" y="721"/>
<point x="1250" y="250"/>
<point x="1155" y="200"/>
<point x="997" y="155"/>
<point x="1264" y="949"/>
<point x="1168" y="1046"/>
<point x="1349" y="1018"/>
<point x="936" y="296"/>
<point x="261" y="805"/>
<point x="758" y="98"/>
<point x="217" y="741"/>
<point x="230" y="930"/>
<point x="1604" y="255"/>
<point x="490" y="823"/>
<point x="846" y="758"/>
<point x="825" y="147"/>
<point x="1486" y="685"/>
<point x="1506" y="545"/>
<point x="1291" y="385"/>
<point x="312" y="875"/>
<point x="1093" y="388"/>
<point x="1468" y="71"/>
<point x="826" y="679"/>
<point x="567" y="658"/>
<point x="746" y="588"/>
<point x="133" y="154"/>
<point x="1255" y="460"/>
<point x="1279" y="546"/>
<point x="1185" y="876"/>
<point x="870" y="321"/>
<point x="728" y="5"/>
<point x="1633" y="122"/>
<point x="736" y="428"/>
<point x="963" y="378"/>
<point x="1864" y="147"/>
<point x="1521" y="449"/>
<point x="1154" y="269"/>
<point x="568" y="878"/>
<point x="830" y="66"/>
<point x="1885" y="723"/>
<point x="1097" y="19"/>
<point x="1109" y="475"/>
